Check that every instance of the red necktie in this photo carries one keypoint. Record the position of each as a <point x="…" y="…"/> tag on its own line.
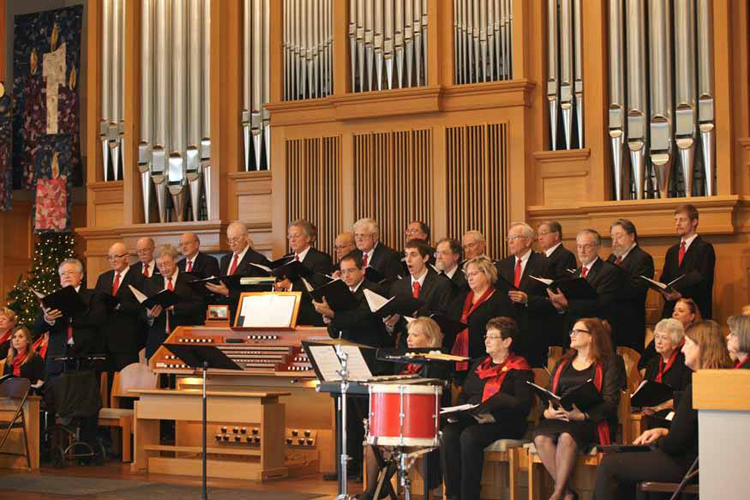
<point x="145" y="270"/>
<point x="169" y="284"/>
<point x="234" y="264"/>
<point x="364" y="260"/>
<point x="116" y="284"/>
<point x="70" y="332"/>
<point x="618" y="261"/>
<point x="190" y="266"/>
<point x="415" y="288"/>
<point x="296" y="257"/>
<point x="517" y="275"/>
<point x="584" y="272"/>
<point x="682" y="254"/>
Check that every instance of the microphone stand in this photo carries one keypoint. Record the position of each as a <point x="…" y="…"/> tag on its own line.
<point x="344" y="373"/>
<point x="204" y="491"/>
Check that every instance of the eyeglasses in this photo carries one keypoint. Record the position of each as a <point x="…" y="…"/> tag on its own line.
<point x="576" y="331"/>
<point x="544" y="233"/>
<point x="493" y="337"/>
<point x="362" y="236"/>
<point x="412" y="231"/>
<point x="585" y="247"/>
<point x="144" y="251"/>
<point x="236" y="239"/>
<point x="515" y="237"/>
<point x="115" y="257"/>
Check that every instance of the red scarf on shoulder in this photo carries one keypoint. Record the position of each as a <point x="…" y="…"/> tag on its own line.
<point x="461" y="345"/>
<point x="737" y="363"/>
<point x="663" y="369"/>
<point x="6" y="336"/>
<point x="486" y="369"/>
<point x="41" y="344"/>
<point x="18" y="360"/>
<point x="603" y="426"/>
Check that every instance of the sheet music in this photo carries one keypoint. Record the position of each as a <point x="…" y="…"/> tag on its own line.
<point x="546" y="281"/>
<point x="356" y="364"/>
<point x="327" y="361"/>
<point x="268" y="311"/>
<point x="140" y="297"/>
<point x="375" y="301"/>
<point x="453" y="409"/>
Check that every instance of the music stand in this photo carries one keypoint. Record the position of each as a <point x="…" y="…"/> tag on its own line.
<point x="203" y="357"/>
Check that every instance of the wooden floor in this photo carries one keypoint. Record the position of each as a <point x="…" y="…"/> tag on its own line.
<point x="113" y="470"/>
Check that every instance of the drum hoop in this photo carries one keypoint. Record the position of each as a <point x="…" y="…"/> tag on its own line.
<point x="405" y="389"/>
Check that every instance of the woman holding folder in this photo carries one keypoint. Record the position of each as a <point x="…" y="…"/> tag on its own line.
<point x="672" y="450"/>
<point x="563" y="433"/>
<point x="498" y="384"/>
<point x="738" y="340"/>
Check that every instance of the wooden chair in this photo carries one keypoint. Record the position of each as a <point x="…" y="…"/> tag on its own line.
<point x="13" y="394"/>
<point x="554" y="354"/>
<point x="133" y="376"/>
<point x="631" y="358"/>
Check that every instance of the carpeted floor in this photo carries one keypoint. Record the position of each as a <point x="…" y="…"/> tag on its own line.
<point x="133" y="490"/>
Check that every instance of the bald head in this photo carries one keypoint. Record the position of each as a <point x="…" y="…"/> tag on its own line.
<point x="144" y="247"/>
<point x="190" y="244"/>
<point x="118" y="257"/>
<point x="237" y="236"/>
<point x="344" y="244"/>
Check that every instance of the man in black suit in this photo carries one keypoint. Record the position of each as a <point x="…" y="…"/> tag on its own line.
<point x="418" y="230"/>
<point x="301" y="234"/>
<point x="474" y="245"/>
<point x="146" y="264"/>
<point x="188" y="311"/>
<point x="374" y="254"/>
<point x="529" y="298"/>
<point x="343" y="244"/>
<point x="549" y="236"/>
<point x="604" y="277"/>
<point x="631" y="258"/>
<point x="448" y="261"/>
<point x="124" y="329"/>
<point x="692" y="254"/>
<point x="196" y="262"/>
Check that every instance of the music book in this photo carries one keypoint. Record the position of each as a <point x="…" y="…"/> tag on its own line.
<point x="651" y="393"/>
<point x="506" y="285"/>
<point x="267" y="310"/>
<point x="677" y="284"/>
<point x="336" y="293"/>
<point x="405" y="305"/>
<point x="66" y="300"/>
<point x="374" y="275"/>
<point x="572" y="288"/>
<point x="165" y="298"/>
<point x="584" y="396"/>
<point x="326" y="362"/>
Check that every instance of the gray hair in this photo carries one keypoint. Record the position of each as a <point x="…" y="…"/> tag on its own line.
<point x="72" y="261"/>
<point x="527" y="231"/>
<point x="627" y="226"/>
<point x="594" y="233"/>
<point x="372" y="223"/>
<point x="167" y="250"/>
<point x="671" y="327"/>
<point x="477" y="235"/>
<point x="307" y="228"/>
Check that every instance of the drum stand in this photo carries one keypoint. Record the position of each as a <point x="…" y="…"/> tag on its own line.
<point x="403" y="460"/>
<point x="344" y="373"/>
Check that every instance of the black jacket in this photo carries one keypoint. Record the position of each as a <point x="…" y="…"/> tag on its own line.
<point x="360" y="325"/>
<point x="534" y="317"/>
<point x="678" y="377"/>
<point x="610" y="390"/>
<point x="33" y="369"/>
<point x="560" y="261"/>
<point x="460" y="283"/>
<point x="244" y="268"/>
<point x="631" y="310"/>
<point x="436" y="292"/>
<point x="700" y="257"/>
<point x="319" y="265"/>
<point x="682" y="441"/>
<point x="497" y="305"/>
<point x="138" y="268"/>
<point x="124" y="329"/>
<point x="204" y="266"/>
<point x="387" y="262"/>
<point x="607" y="280"/>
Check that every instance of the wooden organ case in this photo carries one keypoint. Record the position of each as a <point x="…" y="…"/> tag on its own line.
<point x="274" y="365"/>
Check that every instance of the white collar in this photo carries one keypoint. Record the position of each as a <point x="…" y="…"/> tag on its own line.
<point x="420" y="280"/>
<point x="301" y="256"/>
<point x="174" y="277"/>
<point x="122" y="273"/>
<point x="551" y="250"/>
<point x="689" y="241"/>
<point x="524" y="259"/>
<point x="356" y="287"/>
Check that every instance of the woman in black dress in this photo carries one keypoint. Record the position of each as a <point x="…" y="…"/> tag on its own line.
<point x="738" y="340"/>
<point x="562" y="434"/>
<point x="686" y="312"/>
<point x="22" y="361"/>
<point x="675" y="448"/>
<point x="668" y="367"/>
<point x="499" y="383"/>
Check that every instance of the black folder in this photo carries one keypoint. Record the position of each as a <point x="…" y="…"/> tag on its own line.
<point x="194" y="355"/>
<point x="585" y="396"/>
<point x="404" y="305"/>
<point x="285" y="267"/>
<point x="66" y="300"/>
<point x="337" y="294"/>
<point x="505" y="285"/>
<point x="680" y="283"/>
<point x="575" y="288"/>
<point x="374" y="275"/>
<point x="651" y="393"/>
<point x="165" y="298"/>
<point x="623" y="448"/>
<point x="231" y="282"/>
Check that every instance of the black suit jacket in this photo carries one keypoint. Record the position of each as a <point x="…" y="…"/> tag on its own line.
<point x="124" y="330"/>
<point x="561" y="260"/>
<point x="435" y="294"/>
<point x="188" y="311"/>
<point x="87" y="336"/>
<point x="460" y="284"/>
<point x="497" y="305"/>
<point x="631" y="310"/>
<point x="534" y="317"/>
<point x="204" y="266"/>
<point x="245" y="269"/>
<point x="700" y="257"/>
<point x="138" y="267"/>
<point x="320" y="265"/>
<point x="607" y="280"/>
<point x="359" y="324"/>
<point x="386" y="261"/>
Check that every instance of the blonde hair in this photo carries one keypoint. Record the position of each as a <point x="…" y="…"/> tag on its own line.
<point x="9" y="313"/>
<point x="12" y="350"/>
<point x="485" y="266"/>
<point x="429" y="328"/>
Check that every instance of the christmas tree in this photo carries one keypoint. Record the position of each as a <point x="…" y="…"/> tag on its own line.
<point x="51" y="249"/>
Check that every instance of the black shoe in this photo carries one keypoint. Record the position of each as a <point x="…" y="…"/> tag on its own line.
<point x="363" y="496"/>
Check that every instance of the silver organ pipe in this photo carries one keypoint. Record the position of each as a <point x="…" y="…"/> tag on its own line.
<point x="195" y="91"/>
<point x="668" y="103"/>
<point x="176" y="164"/>
<point x="147" y="105"/>
<point x="206" y="106"/>
<point x="553" y="83"/>
<point x="308" y="46"/>
<point x="111" y="127"/>
<point x="106" y="85"/>
<point x="256" y="74"/>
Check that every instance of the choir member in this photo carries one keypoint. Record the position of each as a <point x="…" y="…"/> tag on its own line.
<point x="562" y="434"/>
<point x="374" y="254"/>
<point x="530" y="300"/>
<point x="693" y="253"/>
<point x="498" y="382"/>
<point x="301" y="234"/>
<point x="194" y="261"/>
<point x="342" y="245"/>
<point x="418" y="230"/>
<point x="474" y="245"/>
<point x="124" y="332"/>
<point x="604" y="277"/>
<point x="21" y="360"/>
<point x="686" y="312"/>
<point x="8" y="320"/>
<point x="146" y="264"/>
<point x="549" y="236"/>
<point x="669" y="366"/>
<point x="448" y="256"/>
<point x="475" y="307"/>
<point x="631" y="258"/>
<point x="738" y="340"/>
<point x="674" y="449"/>
<point x="188" y="311"/>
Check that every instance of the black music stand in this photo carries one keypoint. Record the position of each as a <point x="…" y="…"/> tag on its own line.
<point x="203" y="357"/>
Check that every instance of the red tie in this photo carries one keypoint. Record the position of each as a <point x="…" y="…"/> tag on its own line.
<point x="364" y="260"/>
<point x="116" y="284"/>
<point x="70" y="332"/>
<point x="584" y="272"/>
<point x="169" y="284"/>
<point x="190" y="266"/>
<point x="145" y="270"/>
<point x="682" y="253"/>
<point x="234" y="264"/>
<point x="415" y="288"/>
<point x="517" y="275"/>
<point x="618" y="261"/>
<point x="296" y="257"/>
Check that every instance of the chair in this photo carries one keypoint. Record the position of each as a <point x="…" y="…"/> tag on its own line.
<point x="554" y="354"/>
<point x="14" y="392"/>
<point x="673" y="488"/>
<point x="133" y="376"/>
<point x="631" y="358"/>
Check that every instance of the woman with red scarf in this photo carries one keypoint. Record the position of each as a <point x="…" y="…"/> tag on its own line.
<point x="475" y="307"/>
<point x="498" y="383"/>
<point x="562" y="434"/>
<point x="738" y="340"/>
<point x="7" y="324"/>
<point x="22" y="361"/>
<point x="668" y="367"/>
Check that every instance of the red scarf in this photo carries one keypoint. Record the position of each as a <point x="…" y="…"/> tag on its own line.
<point x="498" y="372"/>
<point x="41" y="344"/>
<point x="743" y="364"/>
<point x="6" y="335"/>
<point x="411" y="369"/>
<point x="664" y="369"/>
<point x="461" y="345"/>
<point x="18" y="360"/>
<point x="603" y="426"/>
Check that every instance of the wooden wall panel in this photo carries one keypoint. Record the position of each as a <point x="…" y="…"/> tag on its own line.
<point x="313" y="186"/>
<point x="393" y="174"/>
<point x="477" y="183"/>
